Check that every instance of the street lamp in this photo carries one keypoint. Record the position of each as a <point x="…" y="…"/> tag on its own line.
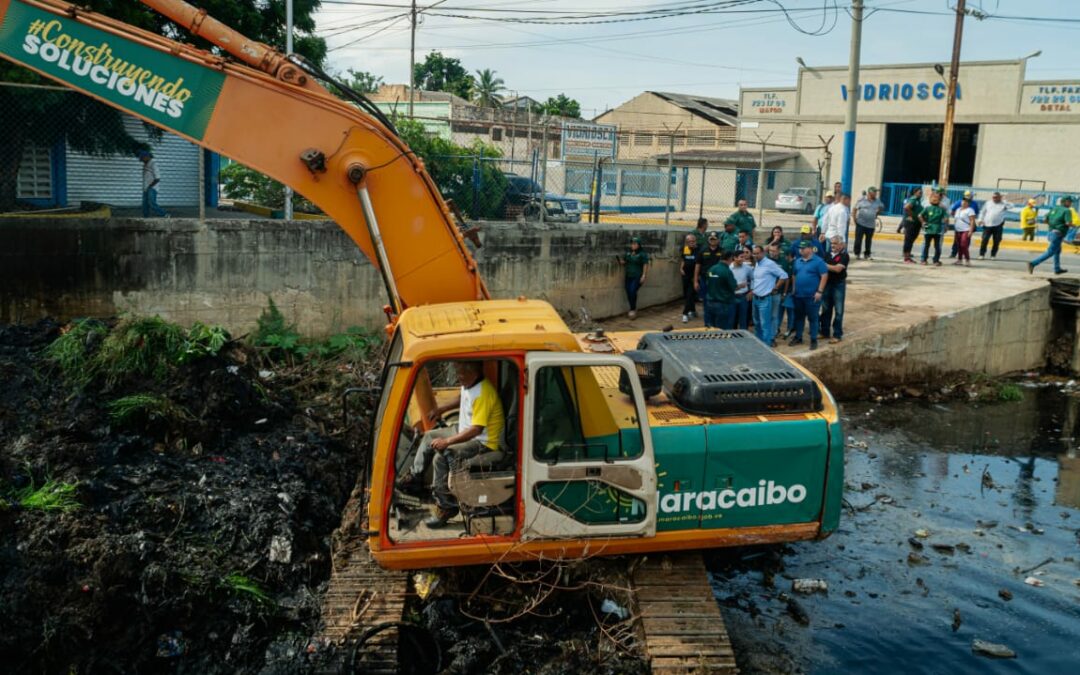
<point x="1037" y="52"/>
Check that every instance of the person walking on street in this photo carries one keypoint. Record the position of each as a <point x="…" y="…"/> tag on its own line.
<point x="742" y="219"/>
<point x="1029" y="220"/>
<point x="819" y="212"/>
<point x="965" y="226"/>
<point x="720" y="294"/>
<point x="910" y="224"/>
<point x="1059" y="220"/>
<point x="867" y="211"/>
<point x="766" y="284"/>
<point x="636" y="264"/>
<point x="992" y="220"/>
<point x="837" y="217"/>
<point x="707" y="256"/>
<point x="832" y="300"/>
<point x="811" y="275"/>
<point x="933" y="220"/>
<point x="687" y="263"/>
<point x="970" y="197"/>
<point x="740" y="268"/>
<point x="150" y="181"/>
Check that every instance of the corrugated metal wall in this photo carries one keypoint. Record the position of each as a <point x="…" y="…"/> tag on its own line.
<point x="117" y="180"/>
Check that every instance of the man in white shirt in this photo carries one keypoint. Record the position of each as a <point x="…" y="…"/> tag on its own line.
<point x="150" y="180"/>
<point x="992" y="221"/>
<point x="835" y="221"/>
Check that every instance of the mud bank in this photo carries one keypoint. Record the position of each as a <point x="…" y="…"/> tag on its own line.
<point x="192" y="542"/>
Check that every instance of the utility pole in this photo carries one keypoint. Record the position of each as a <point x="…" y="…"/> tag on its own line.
<point x="950" y="104"/>
<point x="761" y="179"/>
<point x="671" y="172"/>
<point x="288" y="50"/>
<point x="412" y="58"/>
<point x="847" y="166"/>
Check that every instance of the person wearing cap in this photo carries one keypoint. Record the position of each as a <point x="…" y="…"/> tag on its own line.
<point x="1029" y="220"/>
<point x="910" y="223"/>
<point x="150" y="181"/>
<point x="767" y="281"/>
<point x="687" y="262"/>
<point x="933" y="219"/>
<point x="974" y="205"/>
<point x="707" y="256"/>
<point x="1059" y="221"/>
<point x="729" y="238"/>
<point x="835" y="221"/>
<point x="811" y="274"/>
<point x="867" y="210"/>
<point x="720" y="293"/>
<point x="636" y="265"/>
<point x="824" y="206"/>
<point x="742" y="219"/>
<point x="965" y="227"/>
<point x="992" y="220"/>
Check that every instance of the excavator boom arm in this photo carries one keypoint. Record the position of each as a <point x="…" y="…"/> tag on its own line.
<point x="269" y="114"/>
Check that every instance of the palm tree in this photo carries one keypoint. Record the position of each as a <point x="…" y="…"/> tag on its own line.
<point x="487" y="88"/>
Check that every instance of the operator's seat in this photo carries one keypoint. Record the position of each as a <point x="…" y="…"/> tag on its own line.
<point x="484" y="486"/>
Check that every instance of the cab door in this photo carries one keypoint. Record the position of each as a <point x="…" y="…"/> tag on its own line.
<point x="588" y="464"/>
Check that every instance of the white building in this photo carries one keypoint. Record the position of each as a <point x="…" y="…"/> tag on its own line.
<point x="1011" y="133"/>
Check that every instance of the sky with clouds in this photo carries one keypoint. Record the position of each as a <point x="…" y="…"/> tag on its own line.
<point x="710" y="53"/>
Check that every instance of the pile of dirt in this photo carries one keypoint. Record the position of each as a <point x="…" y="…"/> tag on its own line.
<point x="194" y="537"/>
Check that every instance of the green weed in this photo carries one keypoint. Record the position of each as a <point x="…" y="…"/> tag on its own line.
<point x="203" y="340"/>
<point x="1007" y="391"/>
<point x="71" y="351"/>
<point x="282" y="339"/>
<point x="145" y="346"/>
<point x="53" y="495"/>
<point x="146" y="407"/>
<point x="244" y="586"/>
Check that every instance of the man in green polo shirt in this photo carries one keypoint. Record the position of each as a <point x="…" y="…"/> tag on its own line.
<point x="742" y="219"/>
<point x="720" y="294"/>
<point x="729" y="238"/>
<point x="933" y="220"/>
<point x="1060" y="220"/>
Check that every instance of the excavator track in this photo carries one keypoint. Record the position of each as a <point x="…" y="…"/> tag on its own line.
<point x="679" y="619"/>
<point x="363" y="598"/>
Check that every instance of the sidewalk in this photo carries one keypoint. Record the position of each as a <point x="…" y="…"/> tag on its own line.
<point x="791" y="222"/>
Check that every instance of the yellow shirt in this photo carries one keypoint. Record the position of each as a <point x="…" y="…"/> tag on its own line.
<point x="1075" y="216"/>
<point x="1028" y="217"/>
<point x="481" y="407"/>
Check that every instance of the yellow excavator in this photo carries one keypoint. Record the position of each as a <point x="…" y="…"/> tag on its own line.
<point x="613" y="444"/>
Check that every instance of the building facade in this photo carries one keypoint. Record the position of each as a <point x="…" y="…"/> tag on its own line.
<point x="647" y="123"/>
<point x="1010" y="133"/>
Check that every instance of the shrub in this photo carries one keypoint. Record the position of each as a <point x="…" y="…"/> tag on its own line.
<point x="145" y="407"/>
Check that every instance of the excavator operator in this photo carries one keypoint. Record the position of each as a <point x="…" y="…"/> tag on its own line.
<point x="479" y="429"/>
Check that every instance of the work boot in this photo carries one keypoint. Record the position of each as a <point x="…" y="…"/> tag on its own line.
<point x="1031" y="269"/>
<point x="794" y="341"/>
<point x="441" y="517"/>
<point x="410" y="483"/>
<point x="813" y="345"/>
<point x="632" y="314"/>
<point x="1060" y="271"/>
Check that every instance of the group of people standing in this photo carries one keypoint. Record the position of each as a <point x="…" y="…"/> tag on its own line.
<point x="931" y="216"/>
<point x="742" y="285"/>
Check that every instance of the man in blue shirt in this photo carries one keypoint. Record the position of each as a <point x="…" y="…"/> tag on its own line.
<point x="811" y="274"/>
<point x="766" y="282"/>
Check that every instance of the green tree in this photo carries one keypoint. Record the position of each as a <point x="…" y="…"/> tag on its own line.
<point x="454" y="169"/>
<point x="443" y="73"/>
<point x="487" y="90"/>
<point x="43" y="117"/>
<point x="361" y="81"/>
<point x="562" y="105"/>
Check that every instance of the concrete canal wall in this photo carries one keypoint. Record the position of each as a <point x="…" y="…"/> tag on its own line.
<point x="223" y="271"/>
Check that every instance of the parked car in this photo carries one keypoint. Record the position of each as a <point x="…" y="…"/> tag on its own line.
<point x="523" y="196"/>
<point x="797" y="199"/>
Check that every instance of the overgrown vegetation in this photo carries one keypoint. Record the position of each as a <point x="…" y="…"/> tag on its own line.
<point x="148" y="346"/>
<point x="244" y="184"/>
<point x="52" y="495"/>
<point x="1008" y="391"/>
<point x="281" y="339"/>
<point x="145" y="408"/>
<point x="246" y="587"/>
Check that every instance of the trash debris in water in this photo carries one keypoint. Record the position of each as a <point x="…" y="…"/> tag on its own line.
<point x="922" y="534"/>
<point x="1005" y="594"/>
<point x="170" y="645"/>
<point x="609" y="606"/>
<point x="992" y="649"/>
<point x="808" y="586"/>
<point x="425" y="583"/>
<point x="1034" y="581"/>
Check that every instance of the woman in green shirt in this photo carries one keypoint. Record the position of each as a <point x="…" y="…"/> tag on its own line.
<point x="933" y="220"/>
<point x="636" y="265"/>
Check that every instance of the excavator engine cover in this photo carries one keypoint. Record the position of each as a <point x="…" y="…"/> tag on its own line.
<point x="714" y="373"/>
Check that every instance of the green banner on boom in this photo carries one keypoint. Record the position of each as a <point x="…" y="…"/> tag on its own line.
<point x="165" y="89"/>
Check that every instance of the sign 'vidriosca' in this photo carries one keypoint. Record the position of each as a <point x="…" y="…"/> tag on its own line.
<point x="165" y="89"/>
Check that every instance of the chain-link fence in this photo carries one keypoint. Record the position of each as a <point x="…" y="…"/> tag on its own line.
<point x="61" y="149"/>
